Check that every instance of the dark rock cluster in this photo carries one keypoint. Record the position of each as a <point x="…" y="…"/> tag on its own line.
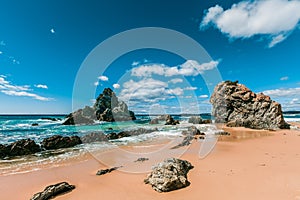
<point x="106" y="108"/>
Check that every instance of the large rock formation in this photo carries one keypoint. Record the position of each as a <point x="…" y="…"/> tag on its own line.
<point x="19" y="148"/>
<point x="52" y="191"/>
<point x="169" y="175"/>
<point x="236" y="105"/>
<point x="106" y="108"/>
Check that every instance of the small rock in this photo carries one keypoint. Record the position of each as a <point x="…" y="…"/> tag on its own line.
<point x="34" y="124"/>
<point x="105" y="171"/>
<point x="141" y="159"/>
<point x="52" y="191"/>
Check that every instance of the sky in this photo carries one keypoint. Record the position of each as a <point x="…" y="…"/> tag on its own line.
<point x="44" y="45"/>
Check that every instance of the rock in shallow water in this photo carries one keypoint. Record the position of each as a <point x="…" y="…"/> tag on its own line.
<point x="169" y="175"/>
<point x="235" y="104"/>
<point x="53" y="190"/>
<point x="19" y="148"/>
<point x="58" y="141"/>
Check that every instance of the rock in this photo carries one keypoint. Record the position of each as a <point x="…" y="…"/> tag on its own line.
<point x="139" y="131"/>
<point x="105" y="171"/>
<point x="171" y="121"/>
<point x="235" y="104"/>
<point x="141" y="159"/>
<point x="81" y="116"/>
<point x="195" y="120"/>
<point x="185" y="142"/>
<point x="206" y="121"/>
<point x="169" y="175"/>
<point x="34" y="124"/>
<point x="193" y="131"/>
<point x="57" y="142"/>
<point x="52" y="191"/>
<point x="154" y="121"/>
<point x="19" y="148"/>
<point x="106" y="108"/>
<point x="222" y="133"/>
<point x="94" y="137"/>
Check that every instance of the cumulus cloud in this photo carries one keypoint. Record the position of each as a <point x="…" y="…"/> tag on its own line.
<point x="135" y="63"/>
<point x="41" y="86"/>
<point x="103" y="78"/>
<point x="116" y="85"/>
<point x="96" y="83"/>
<point x="189" y="68"/>
<point x="284" y="92"/>
<point x="176" y="80"/>
<point x="190" y="88"/>
<point x="15" y="90"/>
<point x="271" y="19"/>
<point x="203" y="96"/>
<point x="284" y="78"/>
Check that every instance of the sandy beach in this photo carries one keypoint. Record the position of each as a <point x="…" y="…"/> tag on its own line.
<point x="249" y="164"/>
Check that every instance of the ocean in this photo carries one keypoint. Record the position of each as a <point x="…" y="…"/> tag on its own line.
<point x="39" y="127"/>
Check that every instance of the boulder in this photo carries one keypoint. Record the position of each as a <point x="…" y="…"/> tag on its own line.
<point x="195" y="120"/>
<point x="154" y="121"/>
<point x="105" y="171"/>
<point x="171" y="121"/>
<point x="106" y="108"/>
<point x="94" y="137"/>
<point x="235" y="104"/>
<point x="171" y="174"/>
<point x="58" y="141"/>
<point x="52" y="191"/>
<point x="185" y="142"/>
<point x="19" y="148"/>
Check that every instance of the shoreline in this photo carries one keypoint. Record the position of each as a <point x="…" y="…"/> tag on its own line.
<point x="262" y="167"/>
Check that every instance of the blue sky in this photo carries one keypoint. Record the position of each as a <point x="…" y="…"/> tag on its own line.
<point x="44" y="43"/>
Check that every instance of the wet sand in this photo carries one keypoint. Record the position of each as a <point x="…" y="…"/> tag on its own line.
<point x="249" y="164"/>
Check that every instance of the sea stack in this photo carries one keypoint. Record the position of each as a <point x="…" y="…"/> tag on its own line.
<point x="236" y="105"/>
<point x="106" y="108"/>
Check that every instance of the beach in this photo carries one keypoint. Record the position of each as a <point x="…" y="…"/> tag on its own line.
<point x="249" y="164"/>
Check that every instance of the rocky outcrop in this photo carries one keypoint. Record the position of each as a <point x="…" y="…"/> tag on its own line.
<point x="94" y="137"/>
<point x="198" y="120"/>
<point x="52" y="191"/>
<point x="169" y="175"/>
<point x="236" y="105"/>
<point x="58" y="141"/>
<point x="19" y="148"/>
<point x="106" y="108"/>
<point x="171" y="121"/>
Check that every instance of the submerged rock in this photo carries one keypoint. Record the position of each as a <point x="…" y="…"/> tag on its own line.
<point x="58" y="141"/>
<point x="106" y="108"/>
<point x="52" y="191"/>
<point x="19" y="148"/>
<point x="235" y="104"/>
<point x="169" y="175"/>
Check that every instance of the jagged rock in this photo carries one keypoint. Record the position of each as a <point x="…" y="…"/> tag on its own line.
<point x="195" y="120"/>
<point x="106" y="108"/>
<point x="235" y="104"/>
<point x="19" y="148"/>
<point x="171" y="121"/>
<point x="81" y="116"/>
<point x="94" y="137"/>
<point x="52" y="191"/>
<point x="105" y="171"/>
<point x="169" y="175"/>
<point x="58" y="141"/>
<point x="141" y="159"/>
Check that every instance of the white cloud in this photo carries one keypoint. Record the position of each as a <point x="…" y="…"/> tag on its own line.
<point x="103" y="78"/>
<point x="189" y="68"/>
<point x="176" y="80"/>
<point x="271" y="19"/>
<point x="52" y="30"/>
<point x="16" y="90"/>
<point x="41" y="86"/>
<point x="116" y="85"/>
<point x="135" y="63"/>
<point x="190" y="88"/>
<point x="203" y="96"/>
<point x="284" y="92"/>
<point x="25" y="94"/>
<point x="96" y="83"/>
<point x="1" y="52"/>
<point x="284" y="78"/>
